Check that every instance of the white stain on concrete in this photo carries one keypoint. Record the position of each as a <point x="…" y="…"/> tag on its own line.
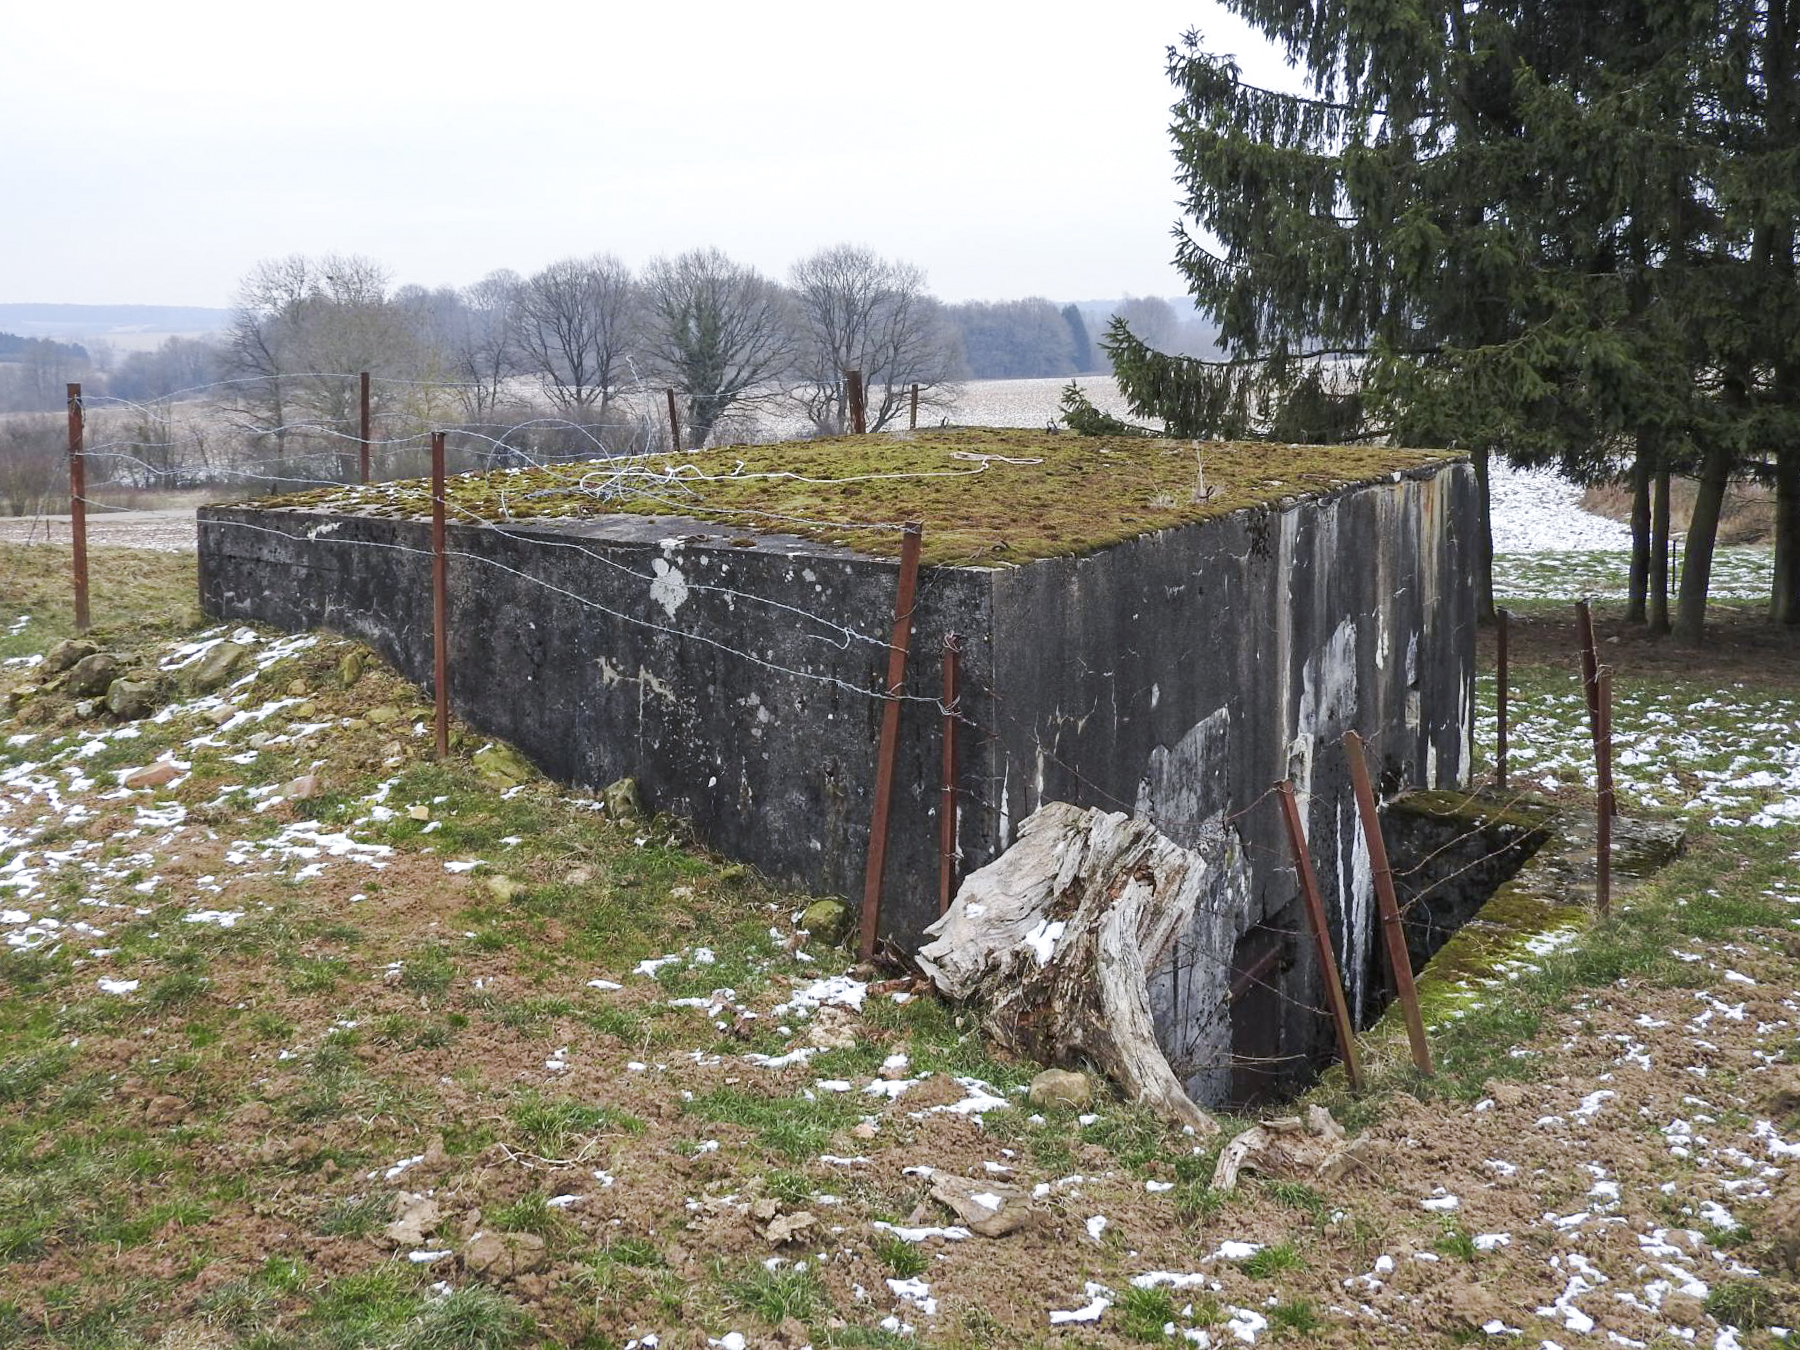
<point x="669" y="587"/>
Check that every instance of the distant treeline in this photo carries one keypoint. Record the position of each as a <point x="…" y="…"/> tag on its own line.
<point x="998" y="339"/>
<point x="1029" y="339"/>
<point x="35" y="372"/>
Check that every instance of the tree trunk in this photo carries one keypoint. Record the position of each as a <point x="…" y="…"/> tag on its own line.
<point x="1703" y="530"/>
<point x="1484" y="541"/>
<point x="1636" y="604"/>
<point x="1784" y="595"/>
<point x="1659" y="552"/>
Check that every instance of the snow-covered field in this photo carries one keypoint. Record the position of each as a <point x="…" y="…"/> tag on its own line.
<point x="1547" y="548"/>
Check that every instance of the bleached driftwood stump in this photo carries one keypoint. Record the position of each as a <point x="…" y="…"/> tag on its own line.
<point x="1052" y="941"/>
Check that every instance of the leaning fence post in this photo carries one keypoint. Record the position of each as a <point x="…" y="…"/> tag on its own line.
<point x="1503" y="619"/>
<point x="1590" y="663"/>
<point x="890" y="738"/>
<point x="947" y="793"/>
<point x="853" y="383"/>
<point x="913" y="424"/>
<point x="78" y="504"/>
<point x="1399" y="964"/>
<point x="1604" y="805"/>
<point x="440" y="598"/>
<point x="674" y="423"/>
<point x="1315" y="914"/>
<point x="362" y="399"/>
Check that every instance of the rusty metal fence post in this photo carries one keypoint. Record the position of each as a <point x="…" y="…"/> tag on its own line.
<point x="1315" y="914"/>
<point x="674" y="423"/>
<point x="853" y="393"/>
<point x="890" y="739"/>
<point x="1503" y="620"/>
<point x="947" y="793"/>
<point x="78" y="504"/>
<point x="1604" y="804"/>
<point x="1399" y="964"/>
<point x="440" y="598"/>
<point x="1590" y="664"/>
<point x="363" y="411"/>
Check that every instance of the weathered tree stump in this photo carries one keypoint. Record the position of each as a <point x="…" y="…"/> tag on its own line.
<point x="1052" y="942"/>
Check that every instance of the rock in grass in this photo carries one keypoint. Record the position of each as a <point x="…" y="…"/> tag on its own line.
<point x="217" y="667"/>
<point x="503" y="1256"/>
<point x="984" y="1207"/>
<point x="622" y="800"/>
<point x="303" y="788"/>
<point x="802" y="1226"/>
<point x="416" y="1216"/>
<point x="1061" y="1088"/>
<point x="502" y="766"/>
<point x="382" y="714"/>
<point x="92" y="675"/>
<point x="19" y="694"/>
<point x="129" y="699"/>
<point x="827" y="920"/>
<point x="66" y="653"/>
<point x="159" y="774"/>
<point x="350" y="669"/>
<point x="505" y="889"/>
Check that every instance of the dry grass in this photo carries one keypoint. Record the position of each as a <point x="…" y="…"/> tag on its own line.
<point x="1748" y="516"/>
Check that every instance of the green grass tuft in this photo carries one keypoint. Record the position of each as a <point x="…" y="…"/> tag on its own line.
<point x="470" y="1318"/>
<point x="778" y="1294"/>
<point x="1145" y="1312"/>
<point x="904" y="1258"/>
<point x="1275" y="1259"/>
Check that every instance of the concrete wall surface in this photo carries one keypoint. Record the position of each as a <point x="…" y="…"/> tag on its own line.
<point x="1181" y="676"/>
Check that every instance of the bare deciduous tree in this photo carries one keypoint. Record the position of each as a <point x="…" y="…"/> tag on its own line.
<point x="302" y="330"/>
<point x="721" y="331"/>
<point x="574" y="323"/>
<point x="483" y="349"/>
<point x="859" y="311"/>
<point x="33" y="461"/>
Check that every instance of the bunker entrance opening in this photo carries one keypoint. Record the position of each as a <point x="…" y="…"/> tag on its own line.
<point x="1450" y="854"/>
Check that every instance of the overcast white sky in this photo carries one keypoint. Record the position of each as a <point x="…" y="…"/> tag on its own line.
<point x="154" y="152"/>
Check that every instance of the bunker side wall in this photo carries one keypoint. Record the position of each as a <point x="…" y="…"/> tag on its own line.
<point x="1185" y="673"/>
<point x="722" y="678"/>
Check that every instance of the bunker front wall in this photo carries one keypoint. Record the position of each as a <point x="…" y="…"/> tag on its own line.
<point x="1181" y="675"/>
<point x="737" y="684"/>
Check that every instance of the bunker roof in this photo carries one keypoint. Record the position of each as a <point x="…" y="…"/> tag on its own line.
<point x="983" y="495"/>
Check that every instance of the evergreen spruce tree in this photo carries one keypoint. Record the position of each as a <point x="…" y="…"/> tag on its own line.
<point x="1518" y="225"/>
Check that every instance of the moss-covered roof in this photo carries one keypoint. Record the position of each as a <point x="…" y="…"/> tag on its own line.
<point x="983" y="495"/>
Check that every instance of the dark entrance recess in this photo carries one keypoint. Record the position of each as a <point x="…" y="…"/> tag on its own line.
<point x="1259" y="967"/>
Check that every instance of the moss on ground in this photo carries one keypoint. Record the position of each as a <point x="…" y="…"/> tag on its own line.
<point x="1515" y="810"/>
<point x="983" y="495"/>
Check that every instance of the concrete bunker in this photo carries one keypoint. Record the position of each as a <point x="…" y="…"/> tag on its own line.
<point x="1164" y="628"/>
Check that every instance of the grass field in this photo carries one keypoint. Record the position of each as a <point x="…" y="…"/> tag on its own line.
<point x="318" y="1042"/>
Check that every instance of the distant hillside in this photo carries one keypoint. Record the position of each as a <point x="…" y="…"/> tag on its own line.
<point x="129" y="327"/>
